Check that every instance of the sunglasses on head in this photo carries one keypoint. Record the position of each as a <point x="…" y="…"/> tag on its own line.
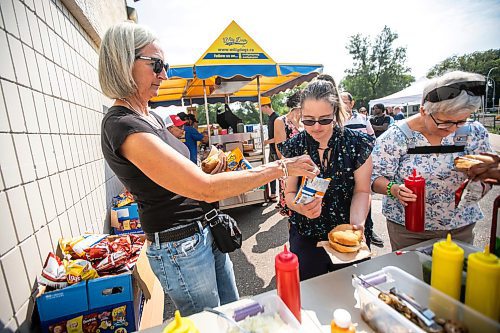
<point x="472" y="88"/>
<point x="311" y="122"/>
<point x="158" y="64"/>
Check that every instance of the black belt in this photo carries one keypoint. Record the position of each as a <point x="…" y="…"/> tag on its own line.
<point x="177" y="234"/>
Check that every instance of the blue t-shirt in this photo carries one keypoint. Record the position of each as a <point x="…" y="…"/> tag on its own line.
<point x="192" y="136"/>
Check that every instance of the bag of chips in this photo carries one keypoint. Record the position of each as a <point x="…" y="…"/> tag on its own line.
<point x="236" y="161"/>
<point x="310" y="189"/>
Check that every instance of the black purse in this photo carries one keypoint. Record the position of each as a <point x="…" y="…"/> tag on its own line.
<point x="227" y="235"/>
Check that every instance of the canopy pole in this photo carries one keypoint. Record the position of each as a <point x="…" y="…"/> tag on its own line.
<point x="206" y="113"/>
<point x="260" y="118"/>
<point x="407" y="109"/>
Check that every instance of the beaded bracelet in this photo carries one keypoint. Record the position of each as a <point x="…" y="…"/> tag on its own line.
<point x="283" y="167"/>
<point x="388" y="191"/>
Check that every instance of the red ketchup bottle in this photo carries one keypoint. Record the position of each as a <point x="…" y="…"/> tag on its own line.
<point x="287" y="280"/>
<point x="415" y="211"/>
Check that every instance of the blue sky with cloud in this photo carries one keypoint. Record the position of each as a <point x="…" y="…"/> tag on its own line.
<point x="317" y="31"/>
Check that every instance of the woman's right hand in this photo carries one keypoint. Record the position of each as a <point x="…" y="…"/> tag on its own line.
<point x="310" y="210"/>
<point x="403" y="194"/>
<point x="301" y="166"/>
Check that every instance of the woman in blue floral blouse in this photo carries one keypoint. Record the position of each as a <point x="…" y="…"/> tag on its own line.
<point x="342" y="155"/>
<point x="428" y="142"/>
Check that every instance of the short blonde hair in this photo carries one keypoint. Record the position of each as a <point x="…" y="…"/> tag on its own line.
<point x="120" y="45"/>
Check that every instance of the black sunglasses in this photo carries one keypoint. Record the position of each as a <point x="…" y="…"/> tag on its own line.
<point x="472" y="88"/>
<point x="158" y="64"/>
<point x="311" y="122"/>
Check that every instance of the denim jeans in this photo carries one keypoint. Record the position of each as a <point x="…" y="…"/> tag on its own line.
<point x="193" y="272"/>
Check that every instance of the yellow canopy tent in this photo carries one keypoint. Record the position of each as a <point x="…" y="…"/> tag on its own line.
<point x="233" y="66"/>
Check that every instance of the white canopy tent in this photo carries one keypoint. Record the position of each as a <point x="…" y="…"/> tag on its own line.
<point x="411" y="95"/>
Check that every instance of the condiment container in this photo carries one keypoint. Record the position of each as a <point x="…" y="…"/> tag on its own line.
<point x="287" y="281"/>
<point x="482" y="287"/>
<point x="447" y="265"/>
<point x="415" y="210"/>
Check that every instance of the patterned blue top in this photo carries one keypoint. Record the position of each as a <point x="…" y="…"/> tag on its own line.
<point x="441" y="180"/>
<point x="349" y="150"/>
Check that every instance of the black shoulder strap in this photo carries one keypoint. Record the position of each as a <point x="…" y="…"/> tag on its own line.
<point x="436" y="150"/>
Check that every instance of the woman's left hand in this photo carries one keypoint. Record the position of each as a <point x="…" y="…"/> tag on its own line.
<point x="221" y="166"/>
<point x="403" y="194"/>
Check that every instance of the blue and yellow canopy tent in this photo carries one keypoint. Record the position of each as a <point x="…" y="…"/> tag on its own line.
<point x="234" y="67"/>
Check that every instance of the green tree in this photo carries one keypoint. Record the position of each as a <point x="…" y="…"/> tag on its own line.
<point x="477" y="62"/>
<point x="379" y="68"/>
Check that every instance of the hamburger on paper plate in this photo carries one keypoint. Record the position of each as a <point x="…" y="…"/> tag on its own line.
<point x="344" y="238"/>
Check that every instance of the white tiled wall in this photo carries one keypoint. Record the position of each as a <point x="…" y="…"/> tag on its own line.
<point x="53" y="180"/>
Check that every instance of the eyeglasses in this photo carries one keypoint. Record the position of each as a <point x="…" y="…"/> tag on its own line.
<point x="448" y="124"/>
<point x="472" y="88"/>
<point x="311" y="122"/>
<point x="158" y="64"/>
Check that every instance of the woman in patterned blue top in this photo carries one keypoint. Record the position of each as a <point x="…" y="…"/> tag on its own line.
<point x="428" y="142"/>
<point x="342" y="155"/>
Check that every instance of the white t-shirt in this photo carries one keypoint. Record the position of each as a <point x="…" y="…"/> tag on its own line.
<point x="360" y="122"/>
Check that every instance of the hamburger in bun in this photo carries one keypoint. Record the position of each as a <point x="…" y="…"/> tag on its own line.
<point x="464" y="163"/>
<point x="209" y="163"/>
<point x="344" y="238"/>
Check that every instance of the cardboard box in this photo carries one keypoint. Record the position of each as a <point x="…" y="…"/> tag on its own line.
<point x="125" y="220"/>
<point x="119" y="303"/>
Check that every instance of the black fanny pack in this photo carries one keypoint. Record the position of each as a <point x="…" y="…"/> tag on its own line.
<point x="227" y="235"/>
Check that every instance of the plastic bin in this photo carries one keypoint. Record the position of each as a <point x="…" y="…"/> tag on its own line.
<point x="382" y="318"/>
<point x="272" y="305"/>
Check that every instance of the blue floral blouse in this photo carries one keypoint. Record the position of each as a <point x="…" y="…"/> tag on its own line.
<point x="441" y="179"/>
<point x="349" y="150"/>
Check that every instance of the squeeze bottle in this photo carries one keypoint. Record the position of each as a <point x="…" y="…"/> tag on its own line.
<point x="180" y="325"/>
<point x="415" y="211"/>
<point x="482" y="287"/>
<point x="447" y="264"/>
<point x="287" y="280"/>
<point x="341" y="322"/>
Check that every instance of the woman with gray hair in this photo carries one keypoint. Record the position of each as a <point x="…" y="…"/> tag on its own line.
<point x="428" y="142"/>
<point x="166" y="185"/>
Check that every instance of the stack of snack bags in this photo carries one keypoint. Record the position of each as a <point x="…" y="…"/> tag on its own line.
<point x="90" y="256"/>
<point x="122" y="199"/>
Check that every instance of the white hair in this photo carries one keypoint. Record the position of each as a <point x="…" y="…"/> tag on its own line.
<point x="463" y="103"/>
<point x="120" y="45"/>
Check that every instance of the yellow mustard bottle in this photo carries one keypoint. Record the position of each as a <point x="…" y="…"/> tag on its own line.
<point x="180" y="325"/>
<point x="447" y="264"/>
<point x="482" y="287"/>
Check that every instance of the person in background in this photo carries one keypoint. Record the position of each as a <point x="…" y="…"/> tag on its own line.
<point x="176" y="126"/>
<point x="266" y="107"/>
<point x="135" y="143"/>
<point x="342" y="155"/>
<point x="398" y="113"/>
<point x="379" y="120"/>
<point x="363" y="111"/>
<point x="428" y="142"/>
<point x="286" y="127"/>
<point x="193" y="121"/>
<point x="191" y="137"/>
<point x="358" y="122"/>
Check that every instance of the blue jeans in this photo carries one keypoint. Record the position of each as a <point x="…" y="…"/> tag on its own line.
<point x="193" y="272"/>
